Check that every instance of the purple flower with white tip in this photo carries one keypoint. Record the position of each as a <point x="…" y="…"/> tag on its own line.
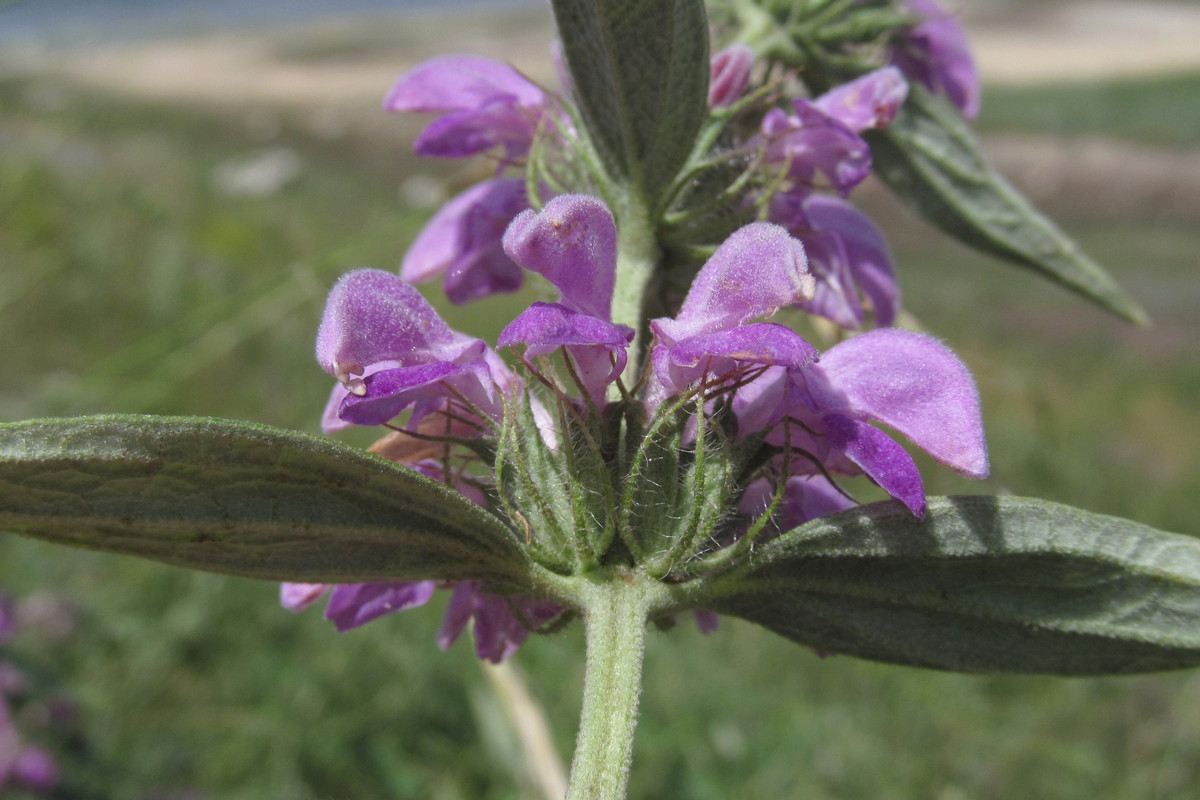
<point x="812" y="141"/>
<point x="391" y="351"/>
<point x="934" y="52"/>
<point x="847" y="255"/>
<point x="758" y="270"/>
<point x="483" y="104"/>
<point x="462" y="243"/>
<point x="573" y="244"/>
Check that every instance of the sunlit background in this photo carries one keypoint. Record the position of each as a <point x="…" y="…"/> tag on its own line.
<point x="180" y="184"/>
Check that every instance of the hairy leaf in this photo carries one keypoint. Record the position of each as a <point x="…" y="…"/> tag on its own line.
<point x="242" y="499"/>
<point x="640" y="73"/>
<point x="930" y="157"/>
<point x="983" y="584"/>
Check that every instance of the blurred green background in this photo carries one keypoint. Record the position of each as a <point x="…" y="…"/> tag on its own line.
<point x="170" y="255"/>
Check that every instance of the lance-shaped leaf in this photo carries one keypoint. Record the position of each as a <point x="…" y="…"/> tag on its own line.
<point x="984" y="584"/>
<point x="930" y="157"/>
<point x="640" y="72"/>
<point x="242" y="499"/>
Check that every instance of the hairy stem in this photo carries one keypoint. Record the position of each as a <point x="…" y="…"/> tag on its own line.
<point x="616" y="613"/>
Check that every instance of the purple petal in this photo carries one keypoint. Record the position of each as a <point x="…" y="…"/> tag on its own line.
<point x="296" y="597"/>
<point x="867" y="252"/>
<point x="35" y="769"/>
<point x="597" y="346"/>
<point x="463" y="241"/>
<point x="912" y="383"/>
<point x="870" y="101"/>
<point x="352" y="605"/>
<point x="937" y="55"/>
<point x="458" y="613"/>
<point x="813" y="142"/>
<point x="388" y="392"/>
<point x="759" y="405"/>
<point x="884" y="461"/>
<point x="729" y="351"/>
<point x="759" y="269"/>
<point x="573" y="244"/>
<point x="450" y="83"/>
<point x="730" y="72"/>
<point x="374" y="316"/>
<point x="470" y="131"/>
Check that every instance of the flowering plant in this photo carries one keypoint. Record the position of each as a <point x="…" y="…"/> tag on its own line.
<point x="647" y="445"/>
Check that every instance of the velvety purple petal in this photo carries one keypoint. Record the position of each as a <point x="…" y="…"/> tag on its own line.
<point x="470" y="131"/>
<point x="884" y="461"/>
<point x="598" y="348"/>
<point x="573" y="244"/>
<point x="388" y="392"/>
<point x="759" y="269"/>
<point x="805" y="498"/>
<point x="352" y="605"/>
<point x="463" y="241"/>
<point x="373" y="316"/>
<point x="722" y="352"/>
<point x="870" y="101"/>
<point x="937" y="55"/>
<point x="912" y="383"/>
<point x="730" y="72"/>
<point x="449" y="83"/>
<point x="867" y="255"/>
<point x="497" y="633"/>
<point x="544" y="327"/>
<point x="296" y="597"/>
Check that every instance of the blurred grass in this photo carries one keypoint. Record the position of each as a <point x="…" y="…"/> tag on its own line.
<point x="1159" y="110"/>
<point x="131" y="283"/>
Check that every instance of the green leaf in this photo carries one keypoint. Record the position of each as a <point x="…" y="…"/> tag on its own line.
<point x="983" y="584"/>
<point x="242" y="499"/>
<point x="930" y="157"/>
<point x="640" y="71"/>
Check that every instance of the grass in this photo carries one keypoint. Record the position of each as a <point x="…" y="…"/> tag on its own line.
<point x="132" y="284"/>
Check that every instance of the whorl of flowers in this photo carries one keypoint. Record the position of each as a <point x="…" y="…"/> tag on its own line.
<point x="699" y="433"/>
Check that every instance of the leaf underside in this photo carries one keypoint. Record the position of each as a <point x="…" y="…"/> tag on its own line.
<point x="640" y="70"/>
<point x="932" y="160"/>
<point x="984" y="584"/>
<point x="242" y="499"/>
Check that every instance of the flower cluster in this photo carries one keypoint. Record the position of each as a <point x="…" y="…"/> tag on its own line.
<point x="742" y="427"/>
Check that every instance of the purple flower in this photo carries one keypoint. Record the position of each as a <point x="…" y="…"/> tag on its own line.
<point x="352" y="605"/>
<point x="483" y="103"/>
<point x="907" y="381"/>
<point x="296" y="597"/>
<point x="812" y="141"/>
<point x="935" y="53"/>
<point x="501" y="624"/>
<point x="755" y="272"/>
<point x="573" y="244"/>
<point x="846" y="254"/>
<point x="391" y="351"/>
<point x="870" y="101"/>
<point x="462" y="242"/>
<point x="730" y="72"/>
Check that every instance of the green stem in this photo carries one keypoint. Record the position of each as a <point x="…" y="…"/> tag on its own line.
<point x="637" y="263"/>
<point x="616" y="613"/>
